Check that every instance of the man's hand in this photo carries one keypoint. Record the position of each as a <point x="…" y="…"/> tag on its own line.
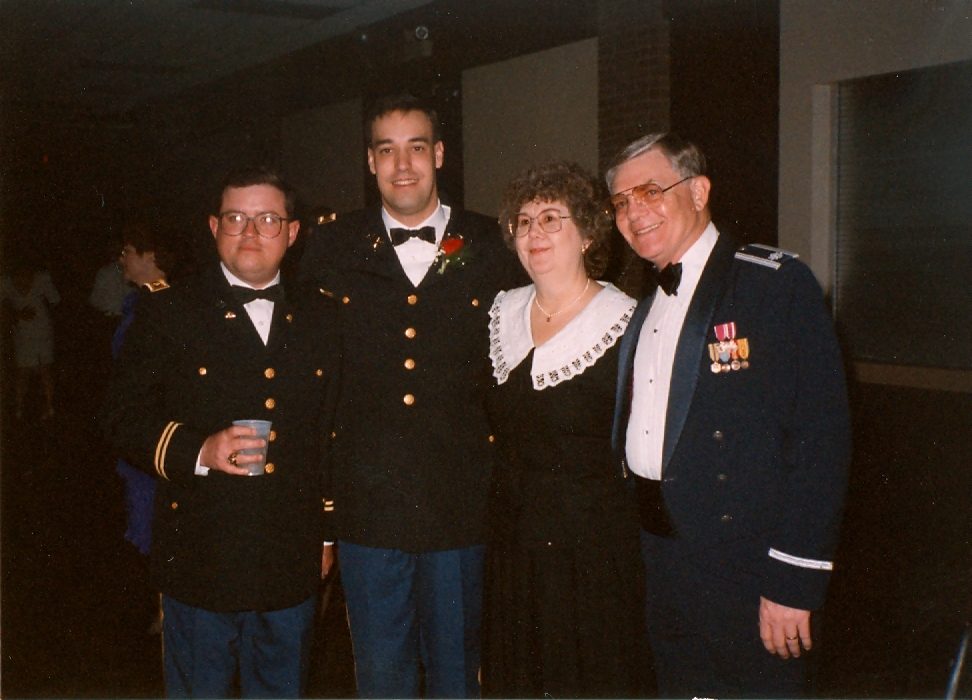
<point x="218" y="448"/>
<point x="327" y="560"/>
<point x="783" y="629"/>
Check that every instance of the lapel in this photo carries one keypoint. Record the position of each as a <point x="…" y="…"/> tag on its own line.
<point x="626" y="353"/>
<point x="373" y="253"/>
<point x="691" y="341"/>
<point x="232" y="319"/>
<point x="281" y="325"/>
<point x="454" y="229"/>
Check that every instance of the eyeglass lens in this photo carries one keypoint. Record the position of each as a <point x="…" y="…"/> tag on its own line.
<point x="267" y="224"/>
<point x="549" y="221"/>
<point x="646" y="194"/>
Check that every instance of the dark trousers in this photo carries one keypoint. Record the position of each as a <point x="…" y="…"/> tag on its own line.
<point x="404" y="608"/>
<point x="703" y="626"/>
<point x="203" y="651"/>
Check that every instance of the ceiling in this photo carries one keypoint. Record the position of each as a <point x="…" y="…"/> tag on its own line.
<point x="109" y="56"/>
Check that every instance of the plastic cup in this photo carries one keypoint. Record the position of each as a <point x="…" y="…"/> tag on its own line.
<point x="263" y="431"/>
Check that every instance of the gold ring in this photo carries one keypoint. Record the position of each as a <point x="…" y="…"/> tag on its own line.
<point x="232" y="459"/>
<point x="789" y="639"/>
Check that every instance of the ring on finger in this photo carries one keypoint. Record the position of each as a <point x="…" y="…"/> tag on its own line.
<point x="232" y="458"/>
<point x="792" y="639"/>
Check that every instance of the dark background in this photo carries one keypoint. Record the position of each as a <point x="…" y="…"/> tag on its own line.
<point x="74" y="600"/>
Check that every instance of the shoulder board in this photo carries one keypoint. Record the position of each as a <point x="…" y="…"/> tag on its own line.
<point x="765" y="255"/>
<point x="156" y="286"/>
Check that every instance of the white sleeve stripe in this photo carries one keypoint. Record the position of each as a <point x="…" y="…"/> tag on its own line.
<point x="800" y="561"/>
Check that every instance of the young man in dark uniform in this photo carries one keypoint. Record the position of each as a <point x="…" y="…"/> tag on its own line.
<point x="732" y="419"/>
<point x="237" y="558"/>
<point x="412" y="451"/>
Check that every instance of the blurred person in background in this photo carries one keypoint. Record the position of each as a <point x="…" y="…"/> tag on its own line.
<point x="30" y="292"/>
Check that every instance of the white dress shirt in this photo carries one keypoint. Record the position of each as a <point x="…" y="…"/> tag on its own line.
<point x="415" y="254"/>
<point x="645" y="440"/>
<point x="260" y="312"/>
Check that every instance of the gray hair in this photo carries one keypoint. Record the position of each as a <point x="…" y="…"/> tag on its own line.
<point x="684" y="156"/>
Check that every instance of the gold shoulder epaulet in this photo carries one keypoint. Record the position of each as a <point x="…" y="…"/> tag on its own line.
<point x="156" y="286"/>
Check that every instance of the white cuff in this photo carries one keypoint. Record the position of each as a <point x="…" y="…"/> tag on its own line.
<point x="200" y="469"/>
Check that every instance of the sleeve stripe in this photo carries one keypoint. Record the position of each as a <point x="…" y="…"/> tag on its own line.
<point x="800" y="561"/>
<point x="162" y="447"/>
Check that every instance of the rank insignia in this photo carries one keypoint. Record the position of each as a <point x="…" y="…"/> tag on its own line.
<point x="230" y="314"/>
<point x="730" y="353"/>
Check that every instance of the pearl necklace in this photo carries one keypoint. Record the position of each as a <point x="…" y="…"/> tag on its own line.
<point x="549" y="315"/>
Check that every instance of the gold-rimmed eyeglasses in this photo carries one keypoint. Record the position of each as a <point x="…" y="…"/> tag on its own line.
<point x="267" y="224"/>
<point x="646" y="194"/>
<point x="549" y="221"/>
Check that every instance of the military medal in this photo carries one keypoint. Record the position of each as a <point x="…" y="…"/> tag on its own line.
<point x="729" y="354"/>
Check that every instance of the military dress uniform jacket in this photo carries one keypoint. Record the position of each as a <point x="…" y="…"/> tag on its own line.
<point x="193" y="363"/>
<point x="412" y="456"/>
<point x="755" y="458"/>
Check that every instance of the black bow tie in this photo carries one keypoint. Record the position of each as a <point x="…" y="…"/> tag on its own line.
<point x="400" y="235"/>
<point x="669" y="277"/>
<point x="245" y="295"/>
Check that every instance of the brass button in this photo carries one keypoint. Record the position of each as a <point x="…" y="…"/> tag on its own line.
<point x="269" y="468"/>
<point x="290" y="318"/>
<point x="409" y="332"/>
<point x="475" y="302"/>
<point x="492" y="438"/>
<point x="333" y="434"/>
<point x="408" y="399"/>
<point x="269" y="373"/>
<point x="230" y="314"/>
<point x="273" y="435"/>
<point x="721" y="477"/>
<point x="319" y="373"/>
<point x="726" y="518"/>
<point x="717" y="435"/>
<point x="202" y="371"/>
<point x="410" y="363"/>
<point x="269" y="403"/>
<point x="174" y="505"/>
<point x="412" y="299"/>
<point x="345" y="299"/>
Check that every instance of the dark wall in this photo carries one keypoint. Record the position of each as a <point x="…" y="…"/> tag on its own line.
<point x="725" y="84"/>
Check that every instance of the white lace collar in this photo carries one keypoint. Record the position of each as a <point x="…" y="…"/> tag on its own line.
<point x="576" y="347"/>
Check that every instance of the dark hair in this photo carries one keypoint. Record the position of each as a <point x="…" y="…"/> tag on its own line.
<point x="146" y="238"/>
<point x="248" y="176"/>
<point x="684" y="156"/>
<point x="404" y="103"/>
<point x="583" y="195"/>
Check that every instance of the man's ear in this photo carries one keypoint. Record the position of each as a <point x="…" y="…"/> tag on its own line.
<point x="213" y="225"/>
<point x="700" y="192"/>
<point x="439" y="150"/>
<point x="292" y="228"/>
<point x="371" y="162"/>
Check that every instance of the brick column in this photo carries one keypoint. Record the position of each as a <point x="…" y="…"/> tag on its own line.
<point x="633" y="97"/>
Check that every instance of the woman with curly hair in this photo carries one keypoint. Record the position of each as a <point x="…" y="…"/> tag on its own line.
<point x="563" y="582"/>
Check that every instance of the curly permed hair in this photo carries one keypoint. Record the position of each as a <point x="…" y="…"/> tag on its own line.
<point x="584" y="196"/>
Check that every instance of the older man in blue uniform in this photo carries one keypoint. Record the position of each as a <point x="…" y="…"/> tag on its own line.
<point x="237" y="558"/>
<point x="732" y="420"/>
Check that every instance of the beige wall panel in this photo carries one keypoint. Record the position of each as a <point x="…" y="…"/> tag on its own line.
<point x="323" y="155"/>
<point x="524" y="111"/>
<point x="822" y="43"/>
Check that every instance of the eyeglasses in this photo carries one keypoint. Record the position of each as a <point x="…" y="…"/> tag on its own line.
<point x="646" y="194"/>
<point x="549" y="221"/>
<point x="267" y="224"/>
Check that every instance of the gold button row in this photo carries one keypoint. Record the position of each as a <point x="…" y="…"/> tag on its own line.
<point x="269" y="403"/>
<point x="409" y="332"/>
<point x="410" y="363"/>
<point x="269" y="373"/>
<point x="408" y="399"/>
<point x="269" y="468"/>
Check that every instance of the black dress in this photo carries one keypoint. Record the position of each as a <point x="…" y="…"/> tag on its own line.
<point x="564" y="583"/>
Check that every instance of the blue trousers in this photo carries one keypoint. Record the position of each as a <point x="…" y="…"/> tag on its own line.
<point x="703" y="626"/>
<point x="203" y="651"/>
<point x="408" y="608"/>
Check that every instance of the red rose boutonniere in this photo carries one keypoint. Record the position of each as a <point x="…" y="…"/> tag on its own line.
<point x="452" y="250"/>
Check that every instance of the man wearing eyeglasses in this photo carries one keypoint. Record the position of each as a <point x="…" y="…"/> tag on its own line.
<point x="412" y="453"/>
<point x="732" y="422"/>
<point x="236" y="539"/>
